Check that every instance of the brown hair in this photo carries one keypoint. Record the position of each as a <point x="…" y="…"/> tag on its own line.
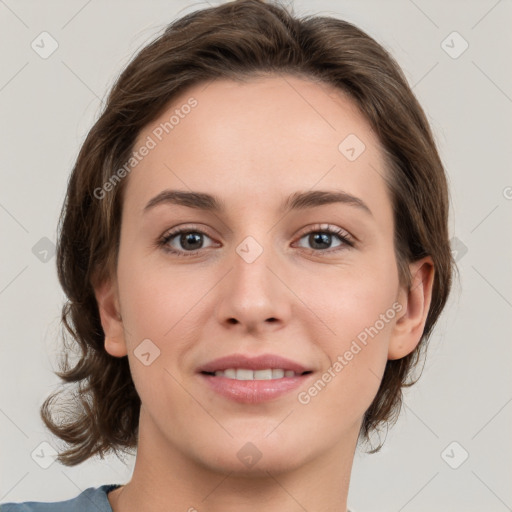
<point x="235" y="40"/>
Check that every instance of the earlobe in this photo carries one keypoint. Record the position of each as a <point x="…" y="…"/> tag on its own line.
<point x="108" y="305"/>
<point x="409" y="327"/>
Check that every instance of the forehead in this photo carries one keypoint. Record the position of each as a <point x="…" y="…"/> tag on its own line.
<point x="246" y="139"/>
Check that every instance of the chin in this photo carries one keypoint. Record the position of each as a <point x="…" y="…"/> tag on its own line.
<point x="254" y="456"/>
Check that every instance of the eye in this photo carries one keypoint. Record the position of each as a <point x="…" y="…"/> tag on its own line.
<point x="183" y="242"/>
<point x="320" y="237"/>
<point x="189" y="241"/>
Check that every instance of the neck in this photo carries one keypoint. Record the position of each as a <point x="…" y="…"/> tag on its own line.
<point x="165" y="478"/>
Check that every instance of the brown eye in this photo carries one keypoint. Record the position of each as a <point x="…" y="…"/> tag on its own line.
<point x="184" y="241"/>
<point x="322" y="239"/>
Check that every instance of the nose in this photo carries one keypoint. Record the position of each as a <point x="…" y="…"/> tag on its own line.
<point x="254" y="296"/>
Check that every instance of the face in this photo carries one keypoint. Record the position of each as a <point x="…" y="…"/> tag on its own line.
<point x="312" y="279"/>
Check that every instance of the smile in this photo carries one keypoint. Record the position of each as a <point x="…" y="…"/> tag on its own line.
<point x="247" y="374"/>
<point x="254" y="386"/>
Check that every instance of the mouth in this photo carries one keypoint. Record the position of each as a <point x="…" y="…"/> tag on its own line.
<point x="246" y="386"/>
<point x="252" y="380"/>
<point x="246" y="374"/>
<point x="249" y="367"/>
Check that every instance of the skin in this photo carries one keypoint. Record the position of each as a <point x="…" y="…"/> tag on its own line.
<point x="252" y="145"/>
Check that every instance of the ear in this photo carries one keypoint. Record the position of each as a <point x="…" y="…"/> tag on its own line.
<point x="107" y="297"/>
<point x="416" y="300"/>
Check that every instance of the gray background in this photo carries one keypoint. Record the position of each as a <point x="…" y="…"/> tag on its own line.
<point x="48" y="105"/>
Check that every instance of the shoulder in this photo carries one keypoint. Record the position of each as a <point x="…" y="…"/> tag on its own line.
<point x="93" y="499"/>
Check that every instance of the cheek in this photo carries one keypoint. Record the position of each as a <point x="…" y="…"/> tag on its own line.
<point x="357" y="312"/>
<point x="350" y="298"/>
<point x="154" y="311"/>
<point x="161" y="306"/>
<point x="356" y="357"/>
<point x="153" y="299"/>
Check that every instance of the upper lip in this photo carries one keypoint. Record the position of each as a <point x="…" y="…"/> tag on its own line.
<point x="261" y="362"/>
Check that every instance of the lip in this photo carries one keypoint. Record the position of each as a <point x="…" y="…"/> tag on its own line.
<point x="260" y="362"/>
<point x="253" y="391"/>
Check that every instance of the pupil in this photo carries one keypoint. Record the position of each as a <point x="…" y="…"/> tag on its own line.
<point x="190" y="237"/>
<point x="321" y="238"/>
<point x="194" y="238"/>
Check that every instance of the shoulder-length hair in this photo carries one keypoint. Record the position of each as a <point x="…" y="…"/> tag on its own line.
<point x="235" y="40"/>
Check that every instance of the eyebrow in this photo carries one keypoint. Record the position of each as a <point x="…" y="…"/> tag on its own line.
<point x="296" y="201"/>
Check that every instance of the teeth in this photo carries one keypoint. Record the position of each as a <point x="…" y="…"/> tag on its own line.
<point x="246" y="374"/>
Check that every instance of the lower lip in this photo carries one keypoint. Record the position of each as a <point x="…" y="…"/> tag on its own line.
<point x="253" y="391"/>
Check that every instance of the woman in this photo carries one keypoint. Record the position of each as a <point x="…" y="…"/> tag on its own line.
<point x="294" y="158"/>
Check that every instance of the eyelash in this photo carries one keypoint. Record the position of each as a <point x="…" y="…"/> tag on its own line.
<point x="332" y="230"/>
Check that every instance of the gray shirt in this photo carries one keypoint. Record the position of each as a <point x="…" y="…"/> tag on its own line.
<point x="93" y="499"/>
